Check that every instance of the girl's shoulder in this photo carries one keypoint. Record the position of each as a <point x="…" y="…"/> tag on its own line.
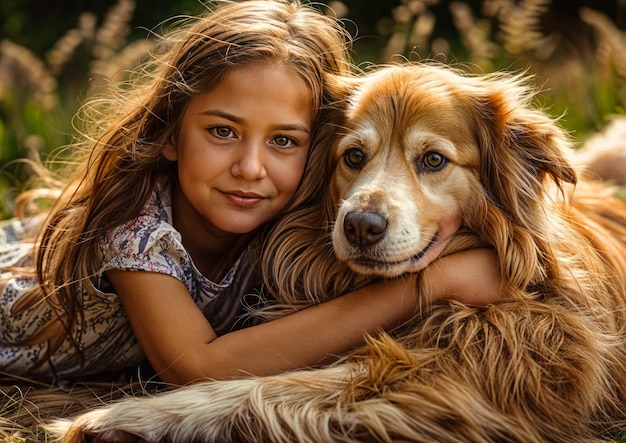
<point x="154" y="220"/>
<point x="143" y="241"/>
<point x="149" y="242"/>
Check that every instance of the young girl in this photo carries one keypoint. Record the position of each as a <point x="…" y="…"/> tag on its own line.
<point x="146" y="252"/>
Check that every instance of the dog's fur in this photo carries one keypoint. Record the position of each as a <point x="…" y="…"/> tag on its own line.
<point x="428" y="149"/>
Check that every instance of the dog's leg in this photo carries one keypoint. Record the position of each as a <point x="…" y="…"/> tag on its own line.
<point x="253" y="409"/>
<point x="464" y="376"/>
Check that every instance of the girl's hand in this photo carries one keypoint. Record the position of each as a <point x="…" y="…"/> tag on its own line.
<point x="470" y="277"/>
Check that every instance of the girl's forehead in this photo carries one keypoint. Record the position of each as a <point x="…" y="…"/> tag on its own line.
<point x="266" y="91"/>
<point x="292" y="79"/>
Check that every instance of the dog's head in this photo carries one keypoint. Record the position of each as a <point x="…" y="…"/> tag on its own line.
<point x="427" y="149"/>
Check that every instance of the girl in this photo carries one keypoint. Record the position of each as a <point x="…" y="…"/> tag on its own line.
<point x="191" y="169"/>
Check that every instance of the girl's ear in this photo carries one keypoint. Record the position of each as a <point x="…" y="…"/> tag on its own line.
<point x="169" y="151"/>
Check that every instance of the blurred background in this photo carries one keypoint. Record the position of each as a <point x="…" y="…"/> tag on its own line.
<point x="53" y="57"/>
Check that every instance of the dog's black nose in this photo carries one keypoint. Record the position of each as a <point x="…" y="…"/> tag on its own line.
<point x="364" y="228"/>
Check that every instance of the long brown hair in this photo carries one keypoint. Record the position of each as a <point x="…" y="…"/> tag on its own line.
<point x="125" y="132"/>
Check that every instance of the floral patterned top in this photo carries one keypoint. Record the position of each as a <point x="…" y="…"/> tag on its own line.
<point x="146" y="243"/>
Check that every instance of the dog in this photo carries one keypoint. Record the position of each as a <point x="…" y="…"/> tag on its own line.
<point x="435" y="161"/>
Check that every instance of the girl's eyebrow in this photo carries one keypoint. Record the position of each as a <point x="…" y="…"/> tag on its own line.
<point x="225" y="115"/>
<point x="239" y="120"/>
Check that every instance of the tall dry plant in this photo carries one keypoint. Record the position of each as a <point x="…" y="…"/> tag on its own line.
<point x="580" y="67"/>
<point x="37" y="107"/>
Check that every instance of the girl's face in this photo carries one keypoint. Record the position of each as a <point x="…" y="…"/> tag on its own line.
<point x="241" y="150"/>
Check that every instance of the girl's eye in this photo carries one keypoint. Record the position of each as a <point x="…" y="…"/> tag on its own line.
<point x="433" y="161"/>
<point x="222" y="131"/>
<point x="284" y="142"/>
<point x="354" y="157"/>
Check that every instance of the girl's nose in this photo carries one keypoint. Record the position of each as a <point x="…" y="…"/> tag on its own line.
<point x="249" y="163"/>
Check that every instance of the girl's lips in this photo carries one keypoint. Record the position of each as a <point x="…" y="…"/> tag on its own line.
<point x="243" y="198"/>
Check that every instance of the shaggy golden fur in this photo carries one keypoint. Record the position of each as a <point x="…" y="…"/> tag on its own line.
<point x="427" y="149"/>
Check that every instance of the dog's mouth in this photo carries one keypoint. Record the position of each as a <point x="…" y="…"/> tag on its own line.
<point x="391" y="268"/>
<point x="417" y="257"/>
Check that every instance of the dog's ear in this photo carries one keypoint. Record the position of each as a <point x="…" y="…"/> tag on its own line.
<point x="522" y="150"/>
<point x="340" y="87"/>
<point x="521" y="147"/>
<point x="340" y="90"/>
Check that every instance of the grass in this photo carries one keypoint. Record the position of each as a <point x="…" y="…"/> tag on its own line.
<point x="27" y="404"/>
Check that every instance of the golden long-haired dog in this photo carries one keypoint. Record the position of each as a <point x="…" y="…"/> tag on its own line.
<point x="431" y="154"/>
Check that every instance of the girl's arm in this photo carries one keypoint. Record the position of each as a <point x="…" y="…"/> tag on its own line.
<point x="182" y="347"/>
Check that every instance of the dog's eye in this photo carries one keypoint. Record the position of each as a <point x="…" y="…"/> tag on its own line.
<point x="433" y="161"/>
<point x="354" y="157"/>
